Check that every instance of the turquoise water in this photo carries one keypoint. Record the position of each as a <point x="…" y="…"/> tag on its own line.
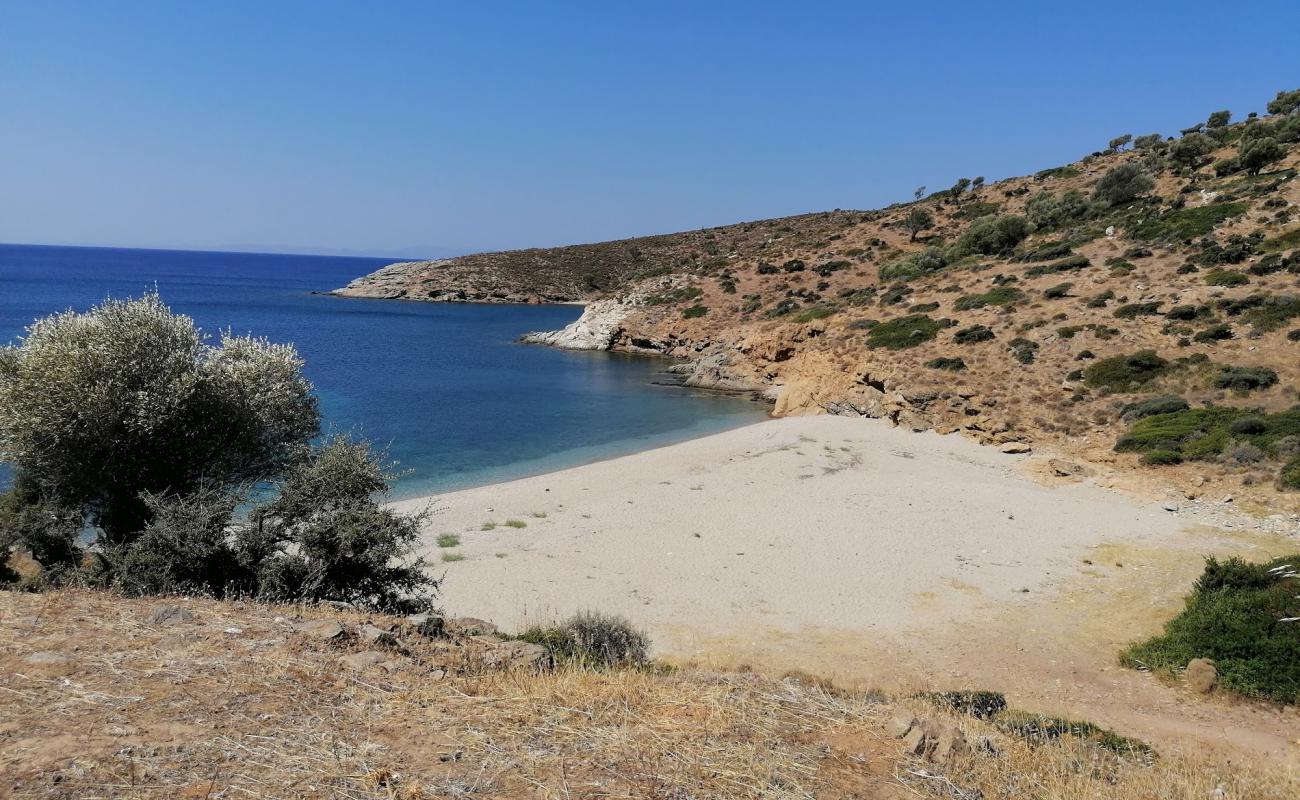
<point x="444" y="387"/>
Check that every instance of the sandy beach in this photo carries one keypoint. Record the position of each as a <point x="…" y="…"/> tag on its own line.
<point x="854" y="550"/>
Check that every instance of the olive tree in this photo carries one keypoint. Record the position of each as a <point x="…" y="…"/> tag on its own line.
<point x="1191" y="149"/>
<point x="917" y="220"/>
<point x="1218" y="119"/>
<point x="1117" y="144"/>
<point x="102" y="408"/>
<point x="1255" y="154"/>
<point x="1122" y="184"/>
<point x="1285" y="102"/>
<point x="325" y="536"/>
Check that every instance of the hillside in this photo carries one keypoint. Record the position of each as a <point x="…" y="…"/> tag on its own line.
<point x="986" y="309"/>
<point x="188" y="698"/>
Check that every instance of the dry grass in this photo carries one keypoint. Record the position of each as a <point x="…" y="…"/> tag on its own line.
<point x="118" y="707"/>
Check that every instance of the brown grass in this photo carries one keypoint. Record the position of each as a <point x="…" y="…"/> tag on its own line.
<point x="118" y="707"/>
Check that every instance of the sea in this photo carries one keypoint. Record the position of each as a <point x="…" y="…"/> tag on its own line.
<point x="445" y="389"/>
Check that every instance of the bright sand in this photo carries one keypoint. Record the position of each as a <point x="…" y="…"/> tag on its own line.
<point x="852" y="549"/>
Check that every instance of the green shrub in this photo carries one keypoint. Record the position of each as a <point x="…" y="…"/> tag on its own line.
<point x="1068" y="264"/>
<point x="679" y="295"/>
<point x="1214" y="333"/>
<point x="1133" y="310"/>
<point x="1226" y="277"/>
<point x="1182" y="313"/>
<point x="1126" y="373"/>
<point x="973" y="703"/>
<point x="694" y="312"/>
<point x="1046" y="210"/>
<point x="992" y="236"/>
<point x="1187" y="223"/>
<point x="997" y="296"/>
<point x="1244" y="379"/>
<point x="1283" y="241"/>
<point x="1164" y="404"/>
<point x="1046" y="252"/>
<point x="947" y="363"/>
<point x="1039" y="728"/>
<point x="1100" y="300"/>
<point x="1232" y="616"/>
<point x="1023" y="350"/>
<point x="128" y="399"/>
<point x="903" y="332"/>
<point x="915" y="265"/>
<point x="1058" y="291"/>
<point x="917" y="220"/>
<point x="973" y="334"/>
<point x="813" y="313"/>
<point x="1162" y="457"/>
<point x="1288" y="480"/>
<point x="1122" y="184"/>
<point x="593" y="641"/>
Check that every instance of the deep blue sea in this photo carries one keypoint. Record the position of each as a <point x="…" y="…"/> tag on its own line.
<point x="444" y="387"/>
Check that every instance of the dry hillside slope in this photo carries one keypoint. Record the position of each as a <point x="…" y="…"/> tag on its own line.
<point x="979" y="310"/>
<point x="183" y="698"/>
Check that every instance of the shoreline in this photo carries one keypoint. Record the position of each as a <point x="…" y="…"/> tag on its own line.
<point x="855" y="550"/>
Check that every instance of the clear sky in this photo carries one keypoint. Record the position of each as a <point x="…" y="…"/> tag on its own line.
<point x="420" y="128"/>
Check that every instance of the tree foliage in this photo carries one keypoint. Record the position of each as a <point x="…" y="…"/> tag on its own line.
<point x="101" y="408"/>
<point x="135" y="442"/>
<point x="1122" y="184"/>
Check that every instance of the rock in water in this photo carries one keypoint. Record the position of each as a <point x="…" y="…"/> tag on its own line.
<point x="594" y="330"/>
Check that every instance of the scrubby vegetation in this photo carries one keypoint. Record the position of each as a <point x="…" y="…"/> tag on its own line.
<point x="1126" y="373"/>
<point x="134" y="441"/>
<point x="593" y="640"/>
<point x="1243" y="616"/>
<point x="903" y="332"/>
<point x="1214" y="433"/>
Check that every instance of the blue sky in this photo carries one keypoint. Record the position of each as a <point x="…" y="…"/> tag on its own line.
<point x="417" y="128"/>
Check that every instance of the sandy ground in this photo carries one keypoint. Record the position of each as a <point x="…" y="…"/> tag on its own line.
<point x="879" y="557"/>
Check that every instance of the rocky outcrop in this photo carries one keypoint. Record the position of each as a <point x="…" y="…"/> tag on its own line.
<point x="596" y="329"/>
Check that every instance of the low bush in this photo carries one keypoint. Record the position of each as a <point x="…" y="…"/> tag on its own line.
<point x="1244" y="379"/>
<point x="991" y="236"/>
<point x="1100" y="300"/>
<point x="1058" y="291"/>
<point x="904" y="332"/>
<point x="1040" y="728"/>
<point x="997" y="296"/>
<point x="973" y="334"/>
<point x="1233" y="617"/>
<point x="1126" y="373"/>
<point x="1214" y="333"/>
<point x="1067" y="264"/>
<point x="1164" y="404"/>
<point x="1226" y="277"/>
<point x="1288" y="479"/>
<point x="1162" y="457"/>
<point x="1046" y="252"/>
<point x="1187" y="223"/>
<point x="1133" y="310"/>
<point x="593" y="641"/>
<point x="1023" y="350"/>
<point x="915" y="265"/>
<point x="974" y="703"/>
<point x="1122" y="184"/>
<point x="694" y="312"/>
<point x="950" y="364"/>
